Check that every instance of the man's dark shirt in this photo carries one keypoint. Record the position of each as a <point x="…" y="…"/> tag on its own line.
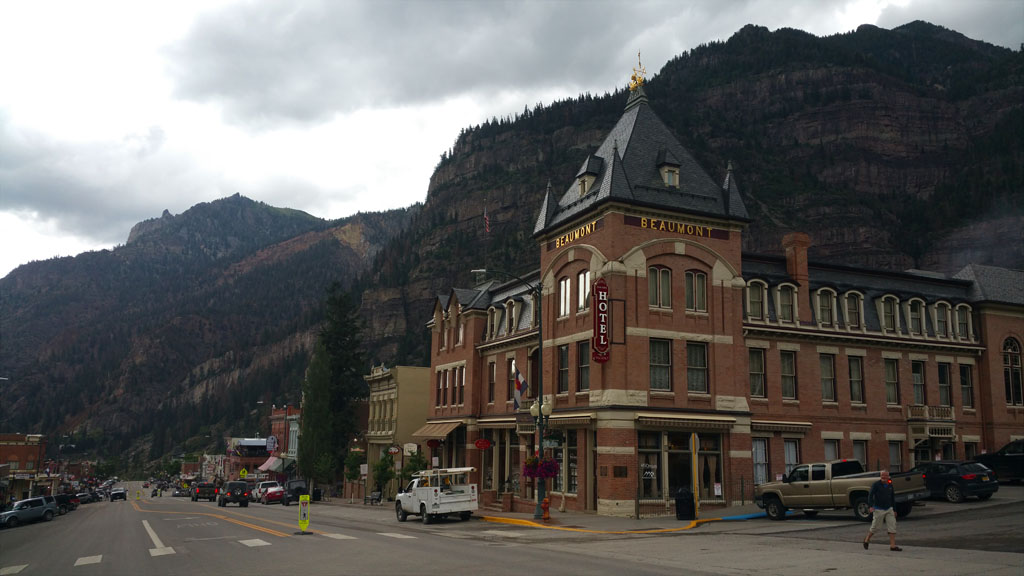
<point x="881" y="496"/>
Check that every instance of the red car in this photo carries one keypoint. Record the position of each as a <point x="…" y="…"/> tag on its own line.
<point x="273" y="495"/>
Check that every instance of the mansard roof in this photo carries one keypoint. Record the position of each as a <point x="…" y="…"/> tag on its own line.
<point x="991" y="284"/>
<point x="627" y="170"/>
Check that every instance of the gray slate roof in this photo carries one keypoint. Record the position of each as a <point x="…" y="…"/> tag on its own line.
<point x="991" y="284"/>
<point x="627" y="168"/>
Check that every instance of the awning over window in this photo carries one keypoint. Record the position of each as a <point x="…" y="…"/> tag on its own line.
<point x="273" y="464"/>
<point x="436" y="429"/>
<point x="688" y="421"/>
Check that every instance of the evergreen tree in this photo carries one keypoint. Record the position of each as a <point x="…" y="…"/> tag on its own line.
<point x="333" y="385"/>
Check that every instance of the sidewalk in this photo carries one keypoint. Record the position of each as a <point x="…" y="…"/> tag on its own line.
<point x="571" y="521"/>
<point x="588" y="523"/>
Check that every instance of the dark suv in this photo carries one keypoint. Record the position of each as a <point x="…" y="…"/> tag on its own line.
<point x="204" y="491"/>
<point x="236" y="492"/>
<point x="66" y="503"/>
<point x="955" y="480"/>
<point x="292" y="490"/>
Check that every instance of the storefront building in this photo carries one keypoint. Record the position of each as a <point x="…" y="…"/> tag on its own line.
<point x="661" y="338"/>
<point x="397" y="410"/>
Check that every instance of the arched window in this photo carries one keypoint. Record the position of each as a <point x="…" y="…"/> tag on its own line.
<point x="853" y="310"/>
<point x="659" y="287"/>
<point x="696" y="291"/>
<point x="963" y="322"/>
<point x="890" y="314"/>
<point x="787" y="304"/>
<point x="1012" y="372"/>
<point x="756" y="309"/>
<point x="916" y="317"/>
<point x="826" y="307"/>
<point x="942" y="320"/>
<point x="564" y="291"/>
<point x="583" y="291"/>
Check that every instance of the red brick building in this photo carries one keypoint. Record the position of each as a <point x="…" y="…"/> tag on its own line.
<point x="767" y="360"/>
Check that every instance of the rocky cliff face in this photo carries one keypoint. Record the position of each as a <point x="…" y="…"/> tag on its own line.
<point x="892" y="149"/>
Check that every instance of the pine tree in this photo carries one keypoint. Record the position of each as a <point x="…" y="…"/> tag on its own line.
<point x="333" y="386"/>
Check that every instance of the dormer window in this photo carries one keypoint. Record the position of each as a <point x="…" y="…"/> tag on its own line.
<point x="670" y="175"/>
<point x="853" y="302"/>
<point x="510" y="317"/>
<point x="755" y="300"/>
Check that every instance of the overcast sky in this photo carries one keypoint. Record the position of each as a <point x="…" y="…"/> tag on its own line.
<point x="111" y="112"/>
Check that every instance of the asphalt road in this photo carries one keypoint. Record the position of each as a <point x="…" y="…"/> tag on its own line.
<point x="157" y="536"/>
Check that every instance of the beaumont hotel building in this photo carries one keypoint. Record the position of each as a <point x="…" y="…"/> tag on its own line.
<point x="771" y="361"/>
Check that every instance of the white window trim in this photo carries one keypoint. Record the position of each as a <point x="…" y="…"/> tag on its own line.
<point x="761" y="287"/>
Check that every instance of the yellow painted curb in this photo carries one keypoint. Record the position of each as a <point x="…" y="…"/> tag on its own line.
<point x="532" y="524"/>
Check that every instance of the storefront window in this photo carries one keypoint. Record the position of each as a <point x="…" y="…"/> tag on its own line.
<point x="650" y="456"/>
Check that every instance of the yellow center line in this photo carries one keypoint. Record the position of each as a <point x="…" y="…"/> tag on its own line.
<point x="220" y="517"/>
<point x="279" y="523"/>
<point x="517" y="521"/>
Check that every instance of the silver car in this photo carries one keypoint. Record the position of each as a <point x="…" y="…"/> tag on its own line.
<point x="28" y="510"/>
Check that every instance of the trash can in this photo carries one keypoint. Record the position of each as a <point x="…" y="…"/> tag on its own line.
<point x="317" y="494"/>
<point x="684" y="504"/>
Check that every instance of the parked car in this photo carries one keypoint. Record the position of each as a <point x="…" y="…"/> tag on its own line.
<point x="956" y="480"/>
<point x="292" y="490"/>
<point x="29" y="510"/>
<point x="179" y="492"/>
<point x="118" y="494"/>
<point x="272" y="495"/>
<point x="236" y="492"/>
<point x="1007" y="462"/>
<point x="262" y="488"/>
<point x="84" y="497"/>
<point x="66" y="503"/>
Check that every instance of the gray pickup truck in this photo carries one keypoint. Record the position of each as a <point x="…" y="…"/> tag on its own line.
<point x="835" y="485"/>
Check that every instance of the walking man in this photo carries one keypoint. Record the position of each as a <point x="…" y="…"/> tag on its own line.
<point x="880" y="502"/>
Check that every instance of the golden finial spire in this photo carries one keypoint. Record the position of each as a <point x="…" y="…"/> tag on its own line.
<point x="637" y="79"/>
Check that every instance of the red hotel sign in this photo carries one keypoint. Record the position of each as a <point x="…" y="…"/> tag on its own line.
<point x="601" y="317"/>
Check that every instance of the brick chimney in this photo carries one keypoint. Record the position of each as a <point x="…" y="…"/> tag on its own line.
<point x="796" y="244"/>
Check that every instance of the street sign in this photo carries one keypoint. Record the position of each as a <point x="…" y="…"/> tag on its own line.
<point x="243" y="473"/>
<point x="303" y="512"/>
<point x="271" y="443"/>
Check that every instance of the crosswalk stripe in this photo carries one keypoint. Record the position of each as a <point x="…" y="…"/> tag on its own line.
<point x="394" y="535"/>
<point x="339" y="536"/>
<point x="89" y="560"/>
<point x="6" y="570"/>
<point x="254" y="542"/>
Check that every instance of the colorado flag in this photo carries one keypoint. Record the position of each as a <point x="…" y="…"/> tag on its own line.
<point x="520" y="390"/>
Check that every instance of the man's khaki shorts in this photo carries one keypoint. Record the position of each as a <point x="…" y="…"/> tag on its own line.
<point x="887" y="517"/>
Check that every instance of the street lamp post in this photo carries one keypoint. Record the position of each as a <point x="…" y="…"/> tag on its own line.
<point x="538" y="410"/>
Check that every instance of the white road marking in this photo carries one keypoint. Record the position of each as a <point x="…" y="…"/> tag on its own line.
<point x="185" y="518"/>
<point x="340" y="536"/>
<point x="158" y="548"/>
<point x="507" y="533"/>
<point x="12" y="569"/>
<point x="394" y="535"/>
<point x="254" y="542"/>
<point x="88" y="560"/>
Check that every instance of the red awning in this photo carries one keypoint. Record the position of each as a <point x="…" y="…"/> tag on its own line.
<point x="270" y="464"/>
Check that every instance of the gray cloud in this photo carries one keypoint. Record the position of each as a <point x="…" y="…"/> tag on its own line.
<point x="270" y="64"/>
<point x="96" y="190"/>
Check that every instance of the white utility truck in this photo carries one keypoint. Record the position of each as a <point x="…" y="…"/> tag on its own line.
<point x="437" y="493"/>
